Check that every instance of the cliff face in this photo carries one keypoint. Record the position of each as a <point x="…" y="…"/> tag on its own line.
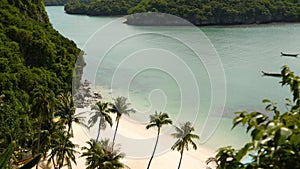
<point x="32" y="53"/>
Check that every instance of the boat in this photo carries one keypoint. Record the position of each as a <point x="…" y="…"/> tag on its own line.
<point x="289" y="54"/>
<point x="271" y="74"/>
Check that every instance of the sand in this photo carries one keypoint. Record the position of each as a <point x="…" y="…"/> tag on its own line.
<point x="137" y="143"/>
<point x="167" y="159"/>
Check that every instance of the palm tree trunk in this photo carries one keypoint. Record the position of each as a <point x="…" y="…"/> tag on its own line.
<point x="39" y="138"/>
<point x="99" y="128"/>
<point x="63" y="157"/>
<point x="113" y="143"/>
<point x="153" y="153"/>
<point x="181" y="154"/>
<point x="54" y="165"/>
<point x="62" y="163"/>
<point x="70" y="127"/>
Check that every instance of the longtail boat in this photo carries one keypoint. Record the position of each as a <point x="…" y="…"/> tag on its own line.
<point x="289" y="54"/>
<point x="271" y="74"/>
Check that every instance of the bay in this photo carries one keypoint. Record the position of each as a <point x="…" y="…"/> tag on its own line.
<point x="244" y="51"/>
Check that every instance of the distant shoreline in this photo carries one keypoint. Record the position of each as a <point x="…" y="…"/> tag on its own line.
<point x="275" y="23"/>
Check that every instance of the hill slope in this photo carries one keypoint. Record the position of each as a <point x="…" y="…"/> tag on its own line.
<point x="36" y="62"/>
<point x="32" y="52"/>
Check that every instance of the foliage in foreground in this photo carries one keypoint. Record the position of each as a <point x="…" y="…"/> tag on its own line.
<point x="99" y="155"/>
<point x="275" y="137"/>
<point x="7" y="154"/>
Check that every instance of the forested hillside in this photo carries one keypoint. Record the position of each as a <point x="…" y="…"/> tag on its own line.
<point x="36" y="67"/>
<point x="32" y="51"/>
<point x="199" y="12"/>
<point x="100" y="7"/>
<point x="55" y="2"/>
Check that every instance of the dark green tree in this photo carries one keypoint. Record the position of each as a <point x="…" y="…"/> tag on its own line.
<point x="62" y="150"/>
<point x="43" y="106"/>
<point x="99" y="155"/>
<point x="66" y="112"/>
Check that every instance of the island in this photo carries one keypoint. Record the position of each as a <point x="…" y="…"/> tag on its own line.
<point x="198" y="12"/>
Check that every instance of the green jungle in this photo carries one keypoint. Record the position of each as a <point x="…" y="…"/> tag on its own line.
<point x="37" y="72"/>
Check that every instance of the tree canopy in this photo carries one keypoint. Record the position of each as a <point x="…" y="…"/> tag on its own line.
<point x="55" y="2"/>
<point x="199" y="12"/>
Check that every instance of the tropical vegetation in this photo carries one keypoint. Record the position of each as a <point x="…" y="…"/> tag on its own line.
<point x="55" y="2"/>
<point x="199" y="12"/>
<point x="37" y="110"/>
<point x="36" y="71"/>
<point x="100" y="7"/>
<point x="62" y="150"/>
<point x="275" y="135"/>
<point x="99" y="155"/>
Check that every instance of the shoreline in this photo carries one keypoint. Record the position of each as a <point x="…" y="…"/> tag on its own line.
<point x="135" y="140"/>
<point x="272" y="23"/>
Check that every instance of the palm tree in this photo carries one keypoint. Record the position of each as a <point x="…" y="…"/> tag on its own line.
<point x="185" y="137"/>
<point x="157" y="120"/>
<point x="62" y="150"/>
<point x="66" y="112"/>
<point x="101" y="112"/>
<point x="99" y="156"/>
<point x="66" y="108"/>
<point x="120" y="107"/>
<point x="43" y="103"/>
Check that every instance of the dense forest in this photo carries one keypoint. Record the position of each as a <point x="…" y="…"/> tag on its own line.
<point x="102" y="7"/>
<point x="55" y="2"/>
<point x="36" y="69"/>
<point x="199" y="12"/>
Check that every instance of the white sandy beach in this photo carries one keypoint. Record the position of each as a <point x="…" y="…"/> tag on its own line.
<point x="166" y="160"/>
<point x="137" y="144"/>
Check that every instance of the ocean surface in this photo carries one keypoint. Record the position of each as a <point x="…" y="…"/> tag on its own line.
<point x="197" y="74"/>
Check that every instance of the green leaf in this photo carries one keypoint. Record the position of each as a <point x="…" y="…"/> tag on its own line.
<point x="236" y="121"/>
<point x="7" y="155"/>
<point x="257" y="134"/>
<point x="295" y="139"/>
<point x="242" y="152"/>
<point x="266" y="101"/>
<point x="281" y="135"/>
<point x="32" y="162"/>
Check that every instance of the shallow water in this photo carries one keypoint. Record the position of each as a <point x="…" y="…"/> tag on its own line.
<point x="159" y="72"/>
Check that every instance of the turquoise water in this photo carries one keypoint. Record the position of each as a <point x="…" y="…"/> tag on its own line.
<point x="158" y="72"/>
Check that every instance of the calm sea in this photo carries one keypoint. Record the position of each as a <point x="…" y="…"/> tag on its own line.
<point x="158" y="68"/>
